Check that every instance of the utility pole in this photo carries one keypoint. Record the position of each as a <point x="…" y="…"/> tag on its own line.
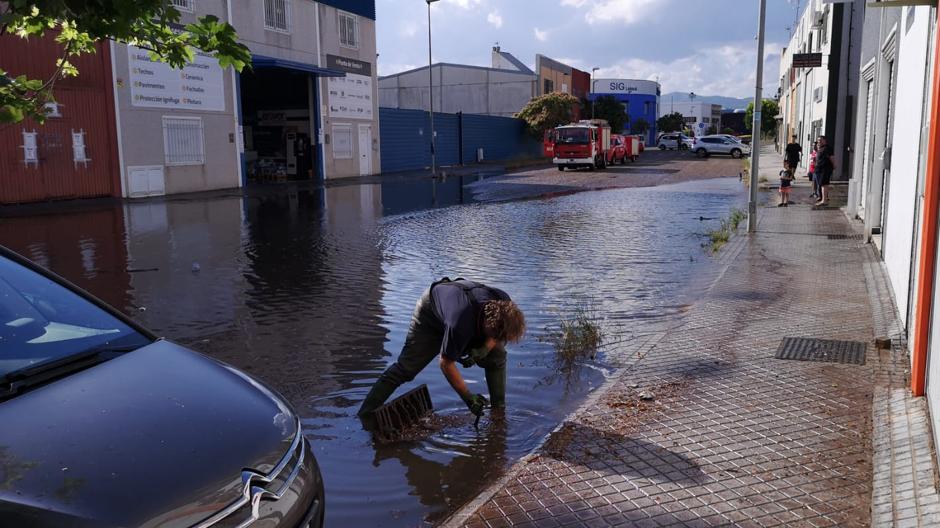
<point x="756" y="124"/>
<point x="592" y="91"/>
<point x="431" y="91"/>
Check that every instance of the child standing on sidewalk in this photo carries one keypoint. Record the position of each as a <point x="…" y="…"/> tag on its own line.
<point x="786" y="178"/>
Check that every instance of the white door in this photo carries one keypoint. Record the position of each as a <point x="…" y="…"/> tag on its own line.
<point x="145" y="181"/>
<point x="365" y="150"/>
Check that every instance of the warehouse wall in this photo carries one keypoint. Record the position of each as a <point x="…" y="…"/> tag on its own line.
<point x="406" y="145"/>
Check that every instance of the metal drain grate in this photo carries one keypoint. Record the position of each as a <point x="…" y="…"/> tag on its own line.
<point x="844" y="237"/>
<point x="809" y="349"/>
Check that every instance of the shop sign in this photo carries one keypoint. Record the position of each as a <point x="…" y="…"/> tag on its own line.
<point x="197" y="86"/>
<point x="807" y="60"/>
<point x="350" y="97"/>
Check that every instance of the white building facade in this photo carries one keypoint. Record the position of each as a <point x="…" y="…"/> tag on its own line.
<point x="204" y="127"/>
<point x="700" y="117"/>
<point x="819" y="79"/>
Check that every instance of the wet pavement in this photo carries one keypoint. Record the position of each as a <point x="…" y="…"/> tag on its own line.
<point x="311" y="291"/>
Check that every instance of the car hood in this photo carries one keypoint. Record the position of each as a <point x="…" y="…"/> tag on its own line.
<point x="161" y="433"/>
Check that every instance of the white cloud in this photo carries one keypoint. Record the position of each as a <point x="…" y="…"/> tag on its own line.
<point x="611" y="11"/>
<point x="495" y="19"/>
<point x="723" y="70"/>
<point x="465" y="4"/>
<point x="541" y="34"/>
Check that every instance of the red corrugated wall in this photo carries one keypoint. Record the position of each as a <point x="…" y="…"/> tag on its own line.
<point x="86" y="104"/>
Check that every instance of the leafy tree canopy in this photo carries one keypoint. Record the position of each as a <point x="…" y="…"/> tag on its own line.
<point x="610" y="109"/>
<point x="640" y="126"/>
<point x="78" y="24"/>
<point x="670" y="122"/>
<point x="768" y="122"/>
<point x="547" y="111"/>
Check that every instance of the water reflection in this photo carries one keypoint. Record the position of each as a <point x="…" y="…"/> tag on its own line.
<point x="312" y="290"/>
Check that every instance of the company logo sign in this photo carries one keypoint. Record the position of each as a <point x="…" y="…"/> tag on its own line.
<point x="625" y="86"/>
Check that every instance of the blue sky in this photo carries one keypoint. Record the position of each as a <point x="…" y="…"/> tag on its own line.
<point x="705" y="46"/>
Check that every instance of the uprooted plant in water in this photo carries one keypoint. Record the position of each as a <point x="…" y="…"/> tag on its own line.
<point x="576" y="338"/>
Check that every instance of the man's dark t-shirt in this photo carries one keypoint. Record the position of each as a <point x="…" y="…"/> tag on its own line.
<point x="794" y="151"/>
<point x="457" y="306"/>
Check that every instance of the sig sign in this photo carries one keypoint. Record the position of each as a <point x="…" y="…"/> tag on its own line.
<point x="807" y="60"/>
<point x="625" y="86"/>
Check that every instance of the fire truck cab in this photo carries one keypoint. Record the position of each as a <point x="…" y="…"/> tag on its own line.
<point x="582" y="144"/>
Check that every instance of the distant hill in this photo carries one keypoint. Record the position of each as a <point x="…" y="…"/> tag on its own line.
<point x="728" y="103"/>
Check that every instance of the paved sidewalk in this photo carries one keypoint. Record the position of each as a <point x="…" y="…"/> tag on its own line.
<point x="733" y="435"/>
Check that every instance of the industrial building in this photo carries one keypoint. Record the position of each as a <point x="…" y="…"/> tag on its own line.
<point x="640" y="97"/>
<point x="554" y="76"/>
<point x="307" y="110"/>
<point x="500" y="90"/>
<point x="819" y="72"/>
<point x="700" y="117"/>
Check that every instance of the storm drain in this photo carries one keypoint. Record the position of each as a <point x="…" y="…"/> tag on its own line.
<point x="809" y="349"/>
<point x="844" y="237"/>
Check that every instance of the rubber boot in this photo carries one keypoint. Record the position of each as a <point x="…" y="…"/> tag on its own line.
<point x="380" y="392"/>
<point x="496" y="383"/>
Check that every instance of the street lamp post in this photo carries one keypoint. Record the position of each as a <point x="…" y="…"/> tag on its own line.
<point x="756" y="124"/>
<point x="592" y="91"/>
<point x="431" y="91"/>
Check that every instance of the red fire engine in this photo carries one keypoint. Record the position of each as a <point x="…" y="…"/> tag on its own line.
<point x="582" y="144"/>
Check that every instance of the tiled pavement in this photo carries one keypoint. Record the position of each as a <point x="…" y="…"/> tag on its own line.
<point x="735" y="436"/>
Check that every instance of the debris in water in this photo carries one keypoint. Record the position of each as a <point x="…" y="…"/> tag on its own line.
<point x="196" y="267"/>
<point x="646" y="396"/>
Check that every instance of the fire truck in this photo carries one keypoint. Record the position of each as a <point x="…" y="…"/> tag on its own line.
<point x="582" y="144"/>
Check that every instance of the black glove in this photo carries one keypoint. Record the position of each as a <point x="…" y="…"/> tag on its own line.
<point x="467" y="362"/>
<point x="476" y="403"/>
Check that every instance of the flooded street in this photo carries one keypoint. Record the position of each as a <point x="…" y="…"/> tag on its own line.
<point x="312" y="292"/>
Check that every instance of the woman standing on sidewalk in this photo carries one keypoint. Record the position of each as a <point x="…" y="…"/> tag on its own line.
<point x="825" y="165"/>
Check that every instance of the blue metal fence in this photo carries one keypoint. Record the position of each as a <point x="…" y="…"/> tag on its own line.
<point x="406" y="144"/>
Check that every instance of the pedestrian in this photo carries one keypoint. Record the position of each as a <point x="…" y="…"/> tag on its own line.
<point x="793" y="153"/>
<point x="825" y="165"/>
<point x="786" y="179"/>
<point x="811" y="171"/>
<point x="459" y="321"/>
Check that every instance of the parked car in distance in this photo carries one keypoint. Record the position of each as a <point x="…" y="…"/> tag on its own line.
<point x="718" y="144"/>
<point x="729" y="136"/>
<point x="116" y="427"/>
<point x="671" y="141"/>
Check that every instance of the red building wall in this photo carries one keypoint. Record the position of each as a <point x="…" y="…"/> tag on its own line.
<point x="86" y="103"/>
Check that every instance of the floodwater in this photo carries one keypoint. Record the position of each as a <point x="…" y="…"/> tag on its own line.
<point x="312" y="290"/>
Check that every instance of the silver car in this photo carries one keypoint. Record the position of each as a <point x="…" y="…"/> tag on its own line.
<point x="673" y="140"/>
<point x="719" y="144"/>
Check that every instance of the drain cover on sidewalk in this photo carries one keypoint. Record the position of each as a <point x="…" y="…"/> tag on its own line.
<point x="844" y="237"/>
<point x="808" y="349"/>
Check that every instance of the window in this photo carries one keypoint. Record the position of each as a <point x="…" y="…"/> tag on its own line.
<point x="183" y="141"/>
<point x="42" y="321"/>
<point x="183" y="5"/>
<point x="646" y="108"/>
<point x="348" y="30"/>
<point x="342" y="142"/>
<point x="79" y="153"/>
<point x="30" y="149"/>
<point x="277" y="15"/>
<point x="548" y="86"/>
<point x="689" y="119"/>
<point x="818" y="94"/>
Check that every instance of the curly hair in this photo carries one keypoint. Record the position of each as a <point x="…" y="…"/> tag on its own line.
<point x="503" y="321"/>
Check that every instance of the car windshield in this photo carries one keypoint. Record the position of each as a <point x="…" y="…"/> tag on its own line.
<point x="574" y="135"/>
<point x="42" y="321"/>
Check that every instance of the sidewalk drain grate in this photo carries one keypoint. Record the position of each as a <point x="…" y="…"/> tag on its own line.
<point x="809" y="349"/>
<point x="844" y="237"/>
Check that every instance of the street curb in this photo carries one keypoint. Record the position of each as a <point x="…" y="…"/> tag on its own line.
<point x="731" y="251"/>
